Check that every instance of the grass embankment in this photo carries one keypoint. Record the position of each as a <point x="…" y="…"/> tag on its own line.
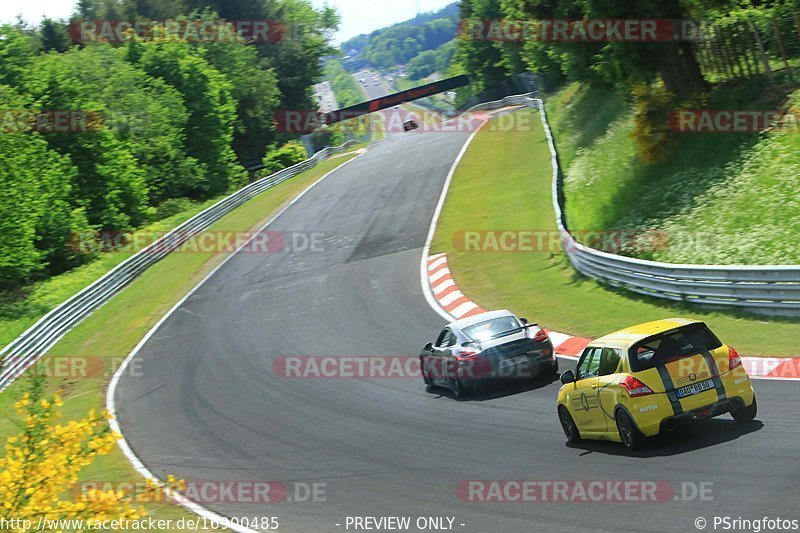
<point x="720" y="198"/>
<point x="490" y="193"/>
<point x="105" y="338"/>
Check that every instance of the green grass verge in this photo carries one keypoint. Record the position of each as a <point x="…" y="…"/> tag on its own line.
<point x="720" y="198"/>
<point x="488" y="192"/>
<point x="111" y="333"/>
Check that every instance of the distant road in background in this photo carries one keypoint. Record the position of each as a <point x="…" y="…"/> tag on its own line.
<point x="370" y="89"/>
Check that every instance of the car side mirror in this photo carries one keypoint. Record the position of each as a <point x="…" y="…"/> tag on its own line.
<point x="568" y="377"/>
<point x="524" y="321"/>
<point x="428" y="347"/>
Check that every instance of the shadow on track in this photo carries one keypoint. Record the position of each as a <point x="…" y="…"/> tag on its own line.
<point x="495" y="389"/>
<point x="686" y="438"/>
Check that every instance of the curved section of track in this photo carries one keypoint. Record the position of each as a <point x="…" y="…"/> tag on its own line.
<point x="205" y="404"/>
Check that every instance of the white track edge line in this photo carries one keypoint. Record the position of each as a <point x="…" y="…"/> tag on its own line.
<point x="425" y="281"/>
<point x="112" y="387"/>
<point x="423" y="263"/>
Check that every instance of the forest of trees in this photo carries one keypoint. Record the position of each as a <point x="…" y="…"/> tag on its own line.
<point x="619" y="64"/>
<point x="430" y="61"/>
<point x="400" y="43"/>
<point x="164" y="119"/>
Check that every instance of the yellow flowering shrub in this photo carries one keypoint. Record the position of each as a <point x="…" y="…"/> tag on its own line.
<point x="42" y="463"/>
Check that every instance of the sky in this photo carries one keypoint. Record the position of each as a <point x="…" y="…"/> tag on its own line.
<point x="33" y="10"/>
<point x="358" y="16"/>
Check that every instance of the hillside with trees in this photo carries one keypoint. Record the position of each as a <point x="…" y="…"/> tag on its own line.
<point x="400" y="43"/>
<point x="160" y="122"/>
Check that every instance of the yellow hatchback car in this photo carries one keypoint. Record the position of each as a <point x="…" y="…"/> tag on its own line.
<point x="643" y="380"/>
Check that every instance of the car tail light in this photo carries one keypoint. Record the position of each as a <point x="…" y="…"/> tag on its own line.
<point x="469" y="353"/>
<point x="635" y="387"/>
<point x="541" y="336"/>
<point x="734" y="361"/>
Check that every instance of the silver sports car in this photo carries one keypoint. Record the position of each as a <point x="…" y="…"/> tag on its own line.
<point x="495" y="344"/>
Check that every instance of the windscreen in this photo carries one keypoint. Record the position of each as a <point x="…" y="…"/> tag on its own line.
<point x="672" y="345"/>
<point x="492" y="329"/>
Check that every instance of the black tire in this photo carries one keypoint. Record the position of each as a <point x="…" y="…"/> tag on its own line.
<point x="426" y="375"/>
<point x="630" y="435"/>
<point x="568" y="425"/>
<point x="460" y="388"/>
<point x="743" y="414"/>
<point x="554" y="373"/>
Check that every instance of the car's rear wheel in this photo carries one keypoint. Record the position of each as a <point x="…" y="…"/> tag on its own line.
<point x="630" y="435"/>
<point x="553" y="372"/>
<point x="459" y="387"/>
<point x="568" y="425"/>
<point x="743" y="414"/>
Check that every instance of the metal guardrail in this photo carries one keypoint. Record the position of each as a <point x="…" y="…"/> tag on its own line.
<point x="23" y="351"/>
<point x="770" y="290"/>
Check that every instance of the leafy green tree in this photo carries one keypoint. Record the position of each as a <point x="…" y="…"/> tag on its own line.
<point x="16" y="53"/>
<point x="254" y="87"/>
<point x="422" y="65"/>
<point x="36" y="219"/>
<point x="157" y="121"/>
<point x="110" y="183"/>
<point x="296" y="57"/>
<point x="157" y="9"/>
<point x="616" y="63"/>
<point x="53" y="35"/>
<point x="287" y="155"/>
<point x="86" y="9"/>
<point x="486" y="62"/>
<point x="430" y="61"/>
<point x="207" y="95"/>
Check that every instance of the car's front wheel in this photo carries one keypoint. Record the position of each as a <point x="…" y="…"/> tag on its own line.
<point x="743" y="414"/>
<point x="426" y="375"/>
<point x="568" y="425"/>
<point x="631" y="437"/>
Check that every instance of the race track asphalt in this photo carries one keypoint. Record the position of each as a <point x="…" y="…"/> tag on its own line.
<point x="205" y="404"/>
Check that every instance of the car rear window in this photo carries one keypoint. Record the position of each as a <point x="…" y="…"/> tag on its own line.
<point x="492" y="329"/>
<point x="672" y="345"/>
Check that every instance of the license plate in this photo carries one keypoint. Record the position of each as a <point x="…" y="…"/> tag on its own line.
<point x="695" y="388"/>
<point x="514" y="361"/>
